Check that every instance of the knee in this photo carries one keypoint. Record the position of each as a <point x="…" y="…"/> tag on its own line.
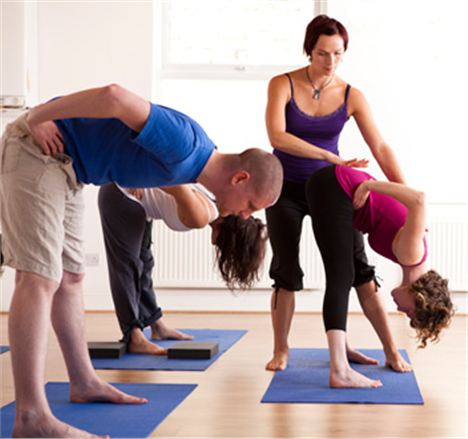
<point x="71" y="279"/>
<point x="26" y="281"/>
<point x="367" y="290"/>
<point x="365" y="274"/>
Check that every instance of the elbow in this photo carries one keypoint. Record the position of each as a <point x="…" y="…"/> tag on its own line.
<point x="194" y="221"/>
<point x="380" y="151"/>
<point x="420" y="199"/>
<point x="199" y="224"/>
<point x="113" y="90"/>
<point x="112" y="95"/>
<point x="275" y="139"/>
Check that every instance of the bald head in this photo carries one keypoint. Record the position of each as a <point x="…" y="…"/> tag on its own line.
<point x="266" y="172"/>
<point x="243" y="183"/>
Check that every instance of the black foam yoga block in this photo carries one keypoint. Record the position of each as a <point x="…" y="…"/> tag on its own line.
<point x="106" y="349"/>
<point x="194" y="350"/>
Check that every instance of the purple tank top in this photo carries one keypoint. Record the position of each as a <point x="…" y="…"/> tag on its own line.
<point x="381" y="216"/>
<point x="321" y="131"/>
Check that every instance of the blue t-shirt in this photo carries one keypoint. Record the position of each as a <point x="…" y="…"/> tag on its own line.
<point x="171" y="149"/>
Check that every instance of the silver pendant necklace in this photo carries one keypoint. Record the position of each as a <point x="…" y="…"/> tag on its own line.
<point x="317" y="91"/>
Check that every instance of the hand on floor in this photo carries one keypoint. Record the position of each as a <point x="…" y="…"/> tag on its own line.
<point x="396" y="362"/>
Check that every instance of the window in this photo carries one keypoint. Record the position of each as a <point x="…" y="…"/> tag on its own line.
<point x="231" y="38"/>
<point x="410" y="60"/>
<point x="213" y="60"/>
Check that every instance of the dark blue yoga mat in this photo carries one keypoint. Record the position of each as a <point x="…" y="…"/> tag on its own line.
<point x="116" y="420"/>
<point x="4" y="349"/>
<point x="305" y="380"/>
<point x="224" y="337"/>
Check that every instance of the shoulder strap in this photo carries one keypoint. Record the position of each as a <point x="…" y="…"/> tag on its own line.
<point x="348" y="87"/>
<point x="291" y="83"/>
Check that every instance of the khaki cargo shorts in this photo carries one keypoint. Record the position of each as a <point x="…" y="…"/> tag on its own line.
<point x="41" y="207"/>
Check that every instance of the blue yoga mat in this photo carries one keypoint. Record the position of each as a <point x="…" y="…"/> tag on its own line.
<point x="4" y="349"/>
<point x="116" y="420"/>
<point x="306" y="378"/>
<point x="224" y="337"/>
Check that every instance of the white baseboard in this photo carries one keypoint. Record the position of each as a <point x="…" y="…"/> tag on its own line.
<point x="250" y="301"/>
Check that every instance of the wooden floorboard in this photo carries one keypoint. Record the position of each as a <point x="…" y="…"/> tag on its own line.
<point x="227" y="404"/>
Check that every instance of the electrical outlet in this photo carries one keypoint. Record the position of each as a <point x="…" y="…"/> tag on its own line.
<point x="92" y="259"/>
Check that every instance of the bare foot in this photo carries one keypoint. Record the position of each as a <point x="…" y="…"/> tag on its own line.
<point x="100" y="391"/>
<point x="144" y="346"/>
<point x="159" y="331"/>
<point x="351" y="378"/>
<point x="358" y="357"/>
<point x="28" y="424"/>
<point x="278" y="362"/>
<point x="396" y="362"/>
<point x="139" y="344"/>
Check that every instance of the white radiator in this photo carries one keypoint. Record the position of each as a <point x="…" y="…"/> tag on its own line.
<point x="448" y="251"/>
<point x="186" y="260"/>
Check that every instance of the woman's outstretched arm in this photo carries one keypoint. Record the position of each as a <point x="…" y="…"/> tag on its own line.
<point x="193" y="208"/>
<point x="408" y="244"/>
<point x="374" y="309"/>
<point x="382" y="152"/>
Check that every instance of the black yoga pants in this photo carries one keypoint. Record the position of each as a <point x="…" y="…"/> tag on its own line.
<point x="284" y="221"/>
<point x="332" y="220"/>
<point x="127" y="238"/>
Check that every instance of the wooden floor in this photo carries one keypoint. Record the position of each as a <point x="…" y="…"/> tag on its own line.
<point x="226" y="403"/>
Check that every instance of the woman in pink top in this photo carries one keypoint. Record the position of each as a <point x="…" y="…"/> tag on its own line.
<point x="394" y="217"/>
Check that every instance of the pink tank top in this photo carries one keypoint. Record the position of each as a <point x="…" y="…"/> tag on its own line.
<point x="381" y="217"/>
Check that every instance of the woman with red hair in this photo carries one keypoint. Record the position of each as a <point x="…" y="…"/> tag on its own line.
<point x="306" y="112"/>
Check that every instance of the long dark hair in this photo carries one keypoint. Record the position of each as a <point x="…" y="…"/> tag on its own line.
<point x="240" y="249"/>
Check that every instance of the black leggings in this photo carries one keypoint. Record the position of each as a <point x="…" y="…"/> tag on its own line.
<point x="284" y="220"/>
<point x="332" y="220"/>
<point x="127" y="237"/>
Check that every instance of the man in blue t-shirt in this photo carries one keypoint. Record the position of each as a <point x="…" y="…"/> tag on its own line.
<point x="95" y="136"/>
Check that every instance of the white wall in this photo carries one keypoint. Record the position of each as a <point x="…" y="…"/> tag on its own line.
<point x="89" y="44"/>
<point x="83" y="45"/>
<point x="11" y="59"/>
